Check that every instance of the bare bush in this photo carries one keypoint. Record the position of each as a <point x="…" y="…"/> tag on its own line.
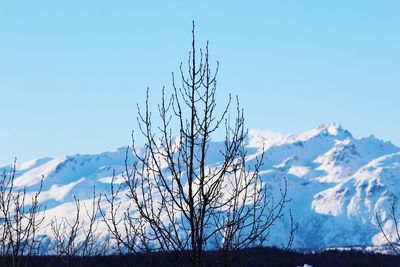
<point x="179" y="201"/>
<point x="392" y="217"/>
<point x="78" y="237"/>
<point x="20" y="217"/>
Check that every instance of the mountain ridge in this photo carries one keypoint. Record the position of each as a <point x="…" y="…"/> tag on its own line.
<point x="336" y="182"/>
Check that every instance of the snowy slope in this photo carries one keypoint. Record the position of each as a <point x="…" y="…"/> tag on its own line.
<point x="337" y="183"/>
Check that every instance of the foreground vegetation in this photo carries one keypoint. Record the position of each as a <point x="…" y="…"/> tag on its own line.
<point x="250" y="257"/>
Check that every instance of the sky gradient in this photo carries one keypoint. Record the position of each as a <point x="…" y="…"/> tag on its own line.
<point x="71" y="72"/>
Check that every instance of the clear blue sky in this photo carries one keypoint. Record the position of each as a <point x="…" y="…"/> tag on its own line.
<point x="72" y="71"/>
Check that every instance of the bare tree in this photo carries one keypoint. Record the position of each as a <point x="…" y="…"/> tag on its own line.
<point x="392" y="217"/>
<point x="78" y="237"/>
<point x="20" y="217"/>
<point x="125" y="231"/>
<point x="180" y="201"/>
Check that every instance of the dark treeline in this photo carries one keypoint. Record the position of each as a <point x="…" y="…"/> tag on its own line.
<point x="249" y="257"/>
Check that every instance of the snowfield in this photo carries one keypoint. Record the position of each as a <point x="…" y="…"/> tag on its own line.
<point x="337" y="183"/>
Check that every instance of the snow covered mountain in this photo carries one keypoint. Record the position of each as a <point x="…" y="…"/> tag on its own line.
<point x="337" y="183"/>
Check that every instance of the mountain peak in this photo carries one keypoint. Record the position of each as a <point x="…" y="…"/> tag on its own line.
<point x="257" y="138"/>
<point x="333" y="128"/>
<point x="328" y="129"/>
